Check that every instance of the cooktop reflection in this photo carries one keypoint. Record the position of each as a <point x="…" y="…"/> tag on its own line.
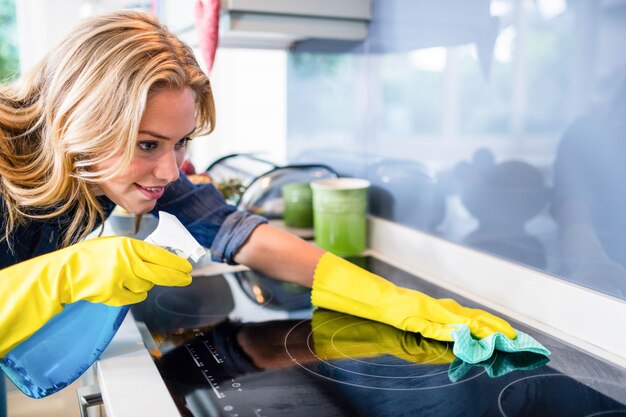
<point x="243" y="344"/>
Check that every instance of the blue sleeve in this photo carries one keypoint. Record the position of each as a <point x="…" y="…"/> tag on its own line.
<point x="3" y="396"/>
<point x="204" y="212"/>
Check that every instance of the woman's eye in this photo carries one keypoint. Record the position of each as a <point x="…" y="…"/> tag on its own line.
<point x="183" y="142"/>
<point x="147" y="145"/>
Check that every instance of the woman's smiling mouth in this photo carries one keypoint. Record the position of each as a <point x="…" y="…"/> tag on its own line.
<point x="152" y="193"/>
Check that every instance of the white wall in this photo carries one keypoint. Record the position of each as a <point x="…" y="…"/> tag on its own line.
<point x="251" y="105"/>
<point x="41" y="24"/>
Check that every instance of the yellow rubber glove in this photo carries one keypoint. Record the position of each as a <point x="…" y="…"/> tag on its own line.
<point x="342" y="286"/>
<point x="341" y="336"/>
<point x="112" y="270"/>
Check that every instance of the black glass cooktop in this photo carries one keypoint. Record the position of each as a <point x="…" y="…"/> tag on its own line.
<point x="242" y="344"/>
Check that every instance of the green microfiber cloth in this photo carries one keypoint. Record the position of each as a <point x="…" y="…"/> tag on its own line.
<point x="472" y="350"/>
<point x="501" y="364"/>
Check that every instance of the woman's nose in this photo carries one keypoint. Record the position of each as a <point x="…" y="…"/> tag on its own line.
<point x="167" y="167"/>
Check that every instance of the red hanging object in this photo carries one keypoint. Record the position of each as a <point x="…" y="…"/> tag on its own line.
<point x="207" y="26"/>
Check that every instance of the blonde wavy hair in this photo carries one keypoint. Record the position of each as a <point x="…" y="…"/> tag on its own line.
<point x="81" y="105"/>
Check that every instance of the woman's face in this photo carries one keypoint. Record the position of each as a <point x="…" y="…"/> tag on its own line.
<point x="164" y="131"/>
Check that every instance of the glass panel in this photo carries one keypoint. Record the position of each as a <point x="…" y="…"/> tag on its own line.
<point x="496" y="124"/>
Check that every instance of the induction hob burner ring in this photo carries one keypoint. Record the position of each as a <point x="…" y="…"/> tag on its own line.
<point x="395" y="366"/>
<point x="377" y="382"/>
<point x="192" y="301"/>
<point x="532" y="394"/>
<point x="330" y="364"/>
<point x="332" y="341"/>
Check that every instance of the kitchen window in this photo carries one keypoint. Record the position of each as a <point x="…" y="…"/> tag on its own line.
<point x="9" y="59"/>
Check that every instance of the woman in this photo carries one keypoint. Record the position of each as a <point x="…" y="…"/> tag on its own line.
<point x="105" y="119"/>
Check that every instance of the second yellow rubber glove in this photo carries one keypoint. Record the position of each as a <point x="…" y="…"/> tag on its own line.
<point x="110" y="270"/>
<point x="342" y="286"/>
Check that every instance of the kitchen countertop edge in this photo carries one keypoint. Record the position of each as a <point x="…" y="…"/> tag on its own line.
<point x="129" y="380"/>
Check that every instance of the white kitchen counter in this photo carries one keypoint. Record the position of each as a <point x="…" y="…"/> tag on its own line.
<point x="129" y="380"/>
<point x="131" y="384"/>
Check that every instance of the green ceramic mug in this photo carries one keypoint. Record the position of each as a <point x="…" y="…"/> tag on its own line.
<point x="298" y="203"/>
<point x="340" y="215"/>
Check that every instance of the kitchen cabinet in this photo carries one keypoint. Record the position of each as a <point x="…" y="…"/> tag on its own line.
<point x="281" y="23"/>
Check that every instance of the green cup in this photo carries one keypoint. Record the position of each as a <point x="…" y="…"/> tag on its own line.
<point x="340" y="215"/>
<point x="298" y="202"/>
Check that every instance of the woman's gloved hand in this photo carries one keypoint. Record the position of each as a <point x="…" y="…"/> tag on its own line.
<point x="338" y="336"/>
<point x="110" y="270"/>
<point x="341" y="286"/>
<point x="341" y="336"/>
